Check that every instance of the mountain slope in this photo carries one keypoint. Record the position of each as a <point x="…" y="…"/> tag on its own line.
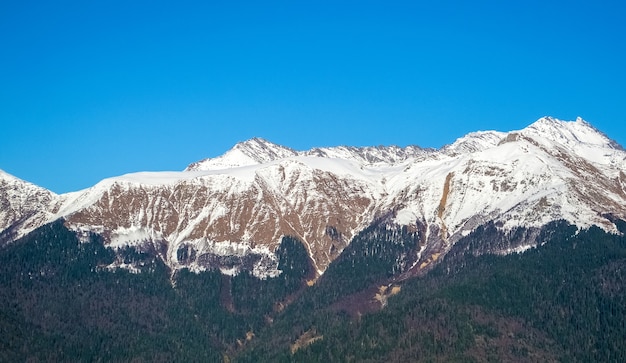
<point x="230" y="212"/>
<point x="23" y="206"/>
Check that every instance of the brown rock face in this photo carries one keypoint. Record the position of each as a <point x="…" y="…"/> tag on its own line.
<point x="321" y="209"/>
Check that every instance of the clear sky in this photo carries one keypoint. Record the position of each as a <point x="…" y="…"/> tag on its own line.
<point x="94" y="89"/>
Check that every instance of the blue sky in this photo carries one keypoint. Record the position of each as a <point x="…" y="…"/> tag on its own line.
<point x="93" y="89"/>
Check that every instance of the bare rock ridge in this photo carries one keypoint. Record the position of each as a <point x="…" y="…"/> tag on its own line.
<point x="230" y="212"/>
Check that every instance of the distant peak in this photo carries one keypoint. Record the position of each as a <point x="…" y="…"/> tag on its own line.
<point x="569" y="132"/>
<point x="475" y="141"/>
<point x="548" y="121"/>
<point x="250" y="152"/>
<point x="263" y="150"/>
<point x="255" y="140"/>
<point x="258" y="142"/>
<point x="553" y="121"/>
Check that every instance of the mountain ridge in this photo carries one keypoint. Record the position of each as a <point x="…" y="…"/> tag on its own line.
<point x="243" y="202"/>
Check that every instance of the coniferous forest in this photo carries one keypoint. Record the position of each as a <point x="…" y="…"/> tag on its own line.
<point x="563" y="301"/>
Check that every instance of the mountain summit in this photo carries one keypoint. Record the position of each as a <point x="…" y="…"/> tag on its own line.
<point x="250" y="152"/>
<point x="230" y="212"/>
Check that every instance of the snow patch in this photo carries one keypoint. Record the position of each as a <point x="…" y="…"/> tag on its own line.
<point x="405" y="217"/>
<point x="518" y="249"/>
<point x="266" y="266"/>
<point x="132" y="236"/>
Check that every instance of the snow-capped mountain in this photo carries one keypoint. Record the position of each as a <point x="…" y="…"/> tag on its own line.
<point x="551" y="170"/>
<point x="230" y="212"/>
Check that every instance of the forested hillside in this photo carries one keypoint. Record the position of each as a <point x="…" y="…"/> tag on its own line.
<point x="562" y="301"/>
<point x="59" y="302"/>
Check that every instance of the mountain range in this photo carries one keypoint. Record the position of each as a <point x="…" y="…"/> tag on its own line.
<point x="230" y="212"/>
<point x="502" y="246"/>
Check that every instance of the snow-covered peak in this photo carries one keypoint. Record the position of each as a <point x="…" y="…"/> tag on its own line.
<point x="249" y="152"/>
<point x="568" y="133"/>
<point x="263" y="150"/>
<point x="5" y="176"/>
<point x="576" y="138"/>
<point x="474" y="142"/>
<point x="8" y="177"/>
<point x="23" y="205"/>
<point x="19" y="184"/>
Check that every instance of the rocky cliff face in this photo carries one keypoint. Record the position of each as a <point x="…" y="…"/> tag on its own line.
<point x="230" y="212"/>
